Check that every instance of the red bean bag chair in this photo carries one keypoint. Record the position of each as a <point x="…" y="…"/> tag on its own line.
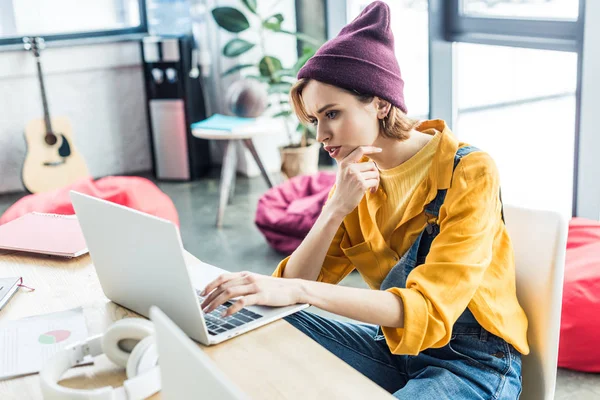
<point x="131" y="191"/>
<point x="287" y="212"/>
<point x="580" y="324"/>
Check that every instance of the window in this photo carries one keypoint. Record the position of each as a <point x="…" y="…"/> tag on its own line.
<point x="519" y="106"/>
<point x="529" y="9"/>
<point x="410" y="28"/>
<point x="516" y="92"/>
<point x="68" y="18"/>
<point x="539" y="24"/>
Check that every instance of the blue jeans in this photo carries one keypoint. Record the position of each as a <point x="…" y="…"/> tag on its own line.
<point x="474" y="365"/>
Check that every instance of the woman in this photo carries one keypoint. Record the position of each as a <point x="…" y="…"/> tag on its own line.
<point x="419" y="215"/>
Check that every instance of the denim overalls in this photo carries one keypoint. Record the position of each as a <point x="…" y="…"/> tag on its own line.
<point x="417" y="253"/>
<point x="474" y="365"/>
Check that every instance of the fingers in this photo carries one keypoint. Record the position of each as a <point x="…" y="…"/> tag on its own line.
<point x="212" y="295"/>
<point x="249" y="300"/>
<point x="370" y="175"/>
<point x="236" y="280"/>
<point x="363" y="166"/>
<point x="359" y="152"/>
<point x="230" y="293"/>
<point x="226" y="284"/>
<point x="371" y="185"/>
<point x="221" y="280"/>
<point x="366" y="173"/>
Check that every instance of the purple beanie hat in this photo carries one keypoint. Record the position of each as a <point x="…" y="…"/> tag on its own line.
<point x="361" y="57"/>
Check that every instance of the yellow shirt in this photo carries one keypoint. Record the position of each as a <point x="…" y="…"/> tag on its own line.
<point x="470" y="263"/>
<point x="399" y="184"/>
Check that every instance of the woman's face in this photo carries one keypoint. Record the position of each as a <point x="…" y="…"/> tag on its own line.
<point x="342" y="122"/>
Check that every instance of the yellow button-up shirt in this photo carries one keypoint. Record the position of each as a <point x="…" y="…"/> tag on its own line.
<point x="470" y="263"/>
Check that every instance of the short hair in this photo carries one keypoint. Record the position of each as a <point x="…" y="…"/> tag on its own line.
<point x="396" y="125"/>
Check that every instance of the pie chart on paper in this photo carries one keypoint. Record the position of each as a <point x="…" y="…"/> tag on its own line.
<point x="53" y="337"/>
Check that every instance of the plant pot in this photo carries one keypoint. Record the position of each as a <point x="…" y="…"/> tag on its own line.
<point x="300" y="160"/>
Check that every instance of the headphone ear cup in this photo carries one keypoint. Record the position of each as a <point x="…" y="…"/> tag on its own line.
<point x="143" y="357"/>
<point x="128" y="328"/>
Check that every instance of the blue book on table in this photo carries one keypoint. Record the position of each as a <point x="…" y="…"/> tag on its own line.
<point x="222" y="122"/>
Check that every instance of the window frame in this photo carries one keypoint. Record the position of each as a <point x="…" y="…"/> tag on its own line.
<point x="11" y="43"/>
<point x="543" y="34"/>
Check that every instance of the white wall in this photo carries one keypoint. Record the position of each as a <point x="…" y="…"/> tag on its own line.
<point x="98" y="87"/>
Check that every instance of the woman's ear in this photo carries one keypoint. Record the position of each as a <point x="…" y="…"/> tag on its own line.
<point x="383" y="107"/>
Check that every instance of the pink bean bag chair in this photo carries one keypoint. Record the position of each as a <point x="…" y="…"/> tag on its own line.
<point x="134" y="192"/>
<point x="580" y="324"/>
<point x="288" y="211"/>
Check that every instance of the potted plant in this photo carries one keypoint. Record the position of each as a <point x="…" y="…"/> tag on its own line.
<point x="301" y="155"/>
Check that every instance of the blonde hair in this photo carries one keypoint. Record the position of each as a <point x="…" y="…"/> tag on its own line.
<point x="396" y="125"/>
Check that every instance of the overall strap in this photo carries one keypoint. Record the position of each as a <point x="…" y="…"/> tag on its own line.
<point x="460" y="153"/>
<point x="433" y="208"/>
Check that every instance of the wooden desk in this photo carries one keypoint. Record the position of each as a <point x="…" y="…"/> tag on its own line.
<point x="273" y="362"/>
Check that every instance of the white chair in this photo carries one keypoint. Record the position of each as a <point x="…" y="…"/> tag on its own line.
<point x="539" y="239"/>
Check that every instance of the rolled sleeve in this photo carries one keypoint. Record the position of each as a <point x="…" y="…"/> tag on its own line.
<point x="278" y="273"/>
<point x="408" y="340"/>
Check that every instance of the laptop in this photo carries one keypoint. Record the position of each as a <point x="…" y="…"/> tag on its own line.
<point x="140" y="262"/>
<point x="185" y="371"/>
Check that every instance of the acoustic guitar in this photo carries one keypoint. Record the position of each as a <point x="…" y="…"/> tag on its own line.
<point x="51" y="159"/>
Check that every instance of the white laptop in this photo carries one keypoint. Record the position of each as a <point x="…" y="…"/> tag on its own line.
<point x="139" y="259"/>
<point x="185" y="371"/>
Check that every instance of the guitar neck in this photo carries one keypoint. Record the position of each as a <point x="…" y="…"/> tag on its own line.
<point x="44" y="100"/>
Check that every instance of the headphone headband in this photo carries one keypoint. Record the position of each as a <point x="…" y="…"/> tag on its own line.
<point x="142" y="369"/>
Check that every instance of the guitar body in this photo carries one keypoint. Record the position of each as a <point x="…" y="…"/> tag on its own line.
<point x="49" y="167"/>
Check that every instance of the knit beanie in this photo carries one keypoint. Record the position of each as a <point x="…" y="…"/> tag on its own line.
<point x="361" y="57"/>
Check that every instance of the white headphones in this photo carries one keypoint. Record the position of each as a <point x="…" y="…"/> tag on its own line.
<point x="141" y="363"/>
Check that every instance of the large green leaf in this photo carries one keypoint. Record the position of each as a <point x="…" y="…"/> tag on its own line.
<point x="273" y="22"/>
<point x="236" y="46"/>
<point x="268" y="66"/>
<point x="231" y="19"/>
<point x="250" y="5"/>
<point x="236" y="68"/>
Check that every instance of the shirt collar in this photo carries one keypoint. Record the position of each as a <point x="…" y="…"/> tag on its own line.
<point x="440" y="173"/>
<point x="439" y="176"/>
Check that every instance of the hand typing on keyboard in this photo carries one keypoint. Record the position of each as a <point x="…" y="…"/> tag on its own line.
<point x="252" y="289"/>
<point x="217" y="324"/>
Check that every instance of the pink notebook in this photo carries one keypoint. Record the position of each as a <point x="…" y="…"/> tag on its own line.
<point x="53" y="234"/>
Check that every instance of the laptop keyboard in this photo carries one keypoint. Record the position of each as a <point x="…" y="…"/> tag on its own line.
<point x="217" y="324"/>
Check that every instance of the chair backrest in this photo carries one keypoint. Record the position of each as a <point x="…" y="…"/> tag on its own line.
<point x="539" y="239"/>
